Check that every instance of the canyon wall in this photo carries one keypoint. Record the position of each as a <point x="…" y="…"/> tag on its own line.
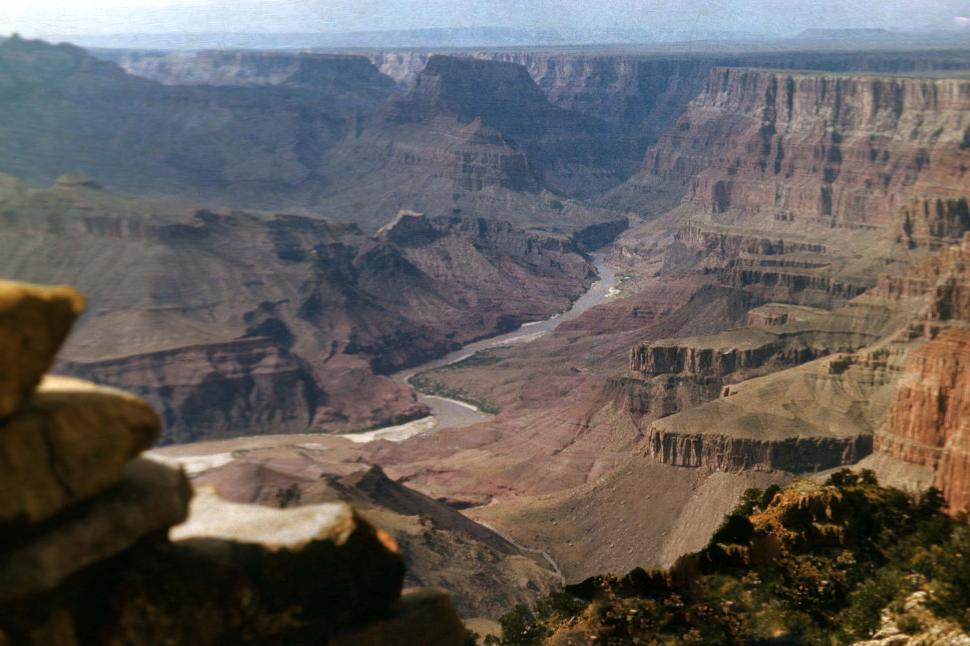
<point x="308" y="134"/>
<point x="842" y="151"/>
<point x="929" y="422"/>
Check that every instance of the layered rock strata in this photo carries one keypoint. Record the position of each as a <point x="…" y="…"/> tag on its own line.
<point x="929" y="421"/>
<point x="319" y="135"/>
<point x="846" y="151"/>
<point x="770" y="162"/>
<point x="85" y="556"/>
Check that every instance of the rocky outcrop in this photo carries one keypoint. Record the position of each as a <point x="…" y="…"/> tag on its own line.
<point x="896" y="387"/>
<point x="725" y="453"/>
<point x="806" y="419"/>
<point x="69" y="442"/>
<point x="747" y="352"/>
<point x="665" y="358"/>
<point x="84" y="556"/>
<point x="145" y="499"/>
<point x="485" y="575"/>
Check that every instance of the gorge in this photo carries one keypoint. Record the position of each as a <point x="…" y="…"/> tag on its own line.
<point x="516" y="307"/>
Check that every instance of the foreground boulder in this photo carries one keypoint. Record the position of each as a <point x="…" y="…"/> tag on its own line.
<point x="34" y="321"/>
<point x="323" y="559"/>
<point x="70" y="442"/>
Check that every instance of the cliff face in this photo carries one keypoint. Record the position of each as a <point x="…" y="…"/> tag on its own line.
<point x="299" y="319"/>
<point x="932" y="222"/>
<point x="896" y="386"/>
<point x="846" y="151"/>
<point x="725" y="453"/>
<point x="674" y="375"/>
<point x="929" y="422"/>
<point x="205" y="390"/>
<point x="652" y="91"/>
<point x="511" y="110"/>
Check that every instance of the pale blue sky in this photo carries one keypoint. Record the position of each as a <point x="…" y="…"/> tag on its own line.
<point x="41" y="17"/>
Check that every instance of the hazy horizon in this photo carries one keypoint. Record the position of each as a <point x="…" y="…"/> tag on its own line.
<point x="756" y="17"/>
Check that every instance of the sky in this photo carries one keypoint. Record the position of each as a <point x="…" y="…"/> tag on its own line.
<point x="37" y="18"/>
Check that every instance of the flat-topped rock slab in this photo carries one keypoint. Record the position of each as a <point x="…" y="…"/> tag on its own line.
<point x="324" y="559"/>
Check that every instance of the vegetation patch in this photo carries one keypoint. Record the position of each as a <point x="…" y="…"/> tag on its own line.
<point x="425" y="384"/>
<point x="808" y="564"/>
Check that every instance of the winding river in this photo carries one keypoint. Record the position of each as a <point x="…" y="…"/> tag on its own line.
<point x="451" y="413"/>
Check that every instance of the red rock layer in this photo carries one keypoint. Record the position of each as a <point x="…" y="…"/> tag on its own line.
<point x="929" y="422"/>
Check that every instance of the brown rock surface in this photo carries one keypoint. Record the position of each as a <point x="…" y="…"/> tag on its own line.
<point x="72" y="441"/>
<point x="929" y="422"/>
<point x="34" y="322"/>
<point x="149" y="499"/>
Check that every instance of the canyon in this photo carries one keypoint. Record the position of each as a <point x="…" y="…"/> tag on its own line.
<point x="299" y="321"/>
<point x="787" y="234"/>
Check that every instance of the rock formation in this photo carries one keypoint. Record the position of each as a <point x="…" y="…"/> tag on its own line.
<point x="929" y="421"/>
<point x="826" y="306"/>
<point x="84" y="555"/>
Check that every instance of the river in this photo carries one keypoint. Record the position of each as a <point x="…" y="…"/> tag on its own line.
<point x="451" y="413"/>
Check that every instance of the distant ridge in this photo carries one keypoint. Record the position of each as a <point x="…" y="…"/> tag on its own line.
<point x="424" y="38"/>
<point x="831" y="34"/>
